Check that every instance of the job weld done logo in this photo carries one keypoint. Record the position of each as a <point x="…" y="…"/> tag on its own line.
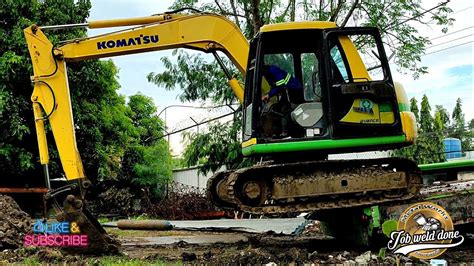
<point x="56" y="234"/>
<point x="139" y="40"/>
<point x="425" y="230"/>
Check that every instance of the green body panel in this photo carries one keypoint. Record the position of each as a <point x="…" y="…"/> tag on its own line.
<point x="326" y="144"/>
<point x="403" y="107"/>
<point x="446" y="165"/>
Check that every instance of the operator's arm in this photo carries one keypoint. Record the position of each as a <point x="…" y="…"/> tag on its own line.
<point x="277" y="79"/>
<point x="275" y="90"/>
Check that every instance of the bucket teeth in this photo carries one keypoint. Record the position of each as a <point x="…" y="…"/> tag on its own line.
<point x="99" y="242"/>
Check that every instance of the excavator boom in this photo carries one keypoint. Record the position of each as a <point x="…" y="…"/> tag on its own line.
<point x="204" y="32"/>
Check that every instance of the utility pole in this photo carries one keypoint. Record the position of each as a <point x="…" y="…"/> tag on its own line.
<point x="197" y="125"/>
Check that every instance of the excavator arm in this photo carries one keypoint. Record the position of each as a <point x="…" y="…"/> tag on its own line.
<point x="51" y="97"/>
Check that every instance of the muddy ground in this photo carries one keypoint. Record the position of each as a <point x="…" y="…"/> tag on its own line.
<point x="198" y="247"/>
<point x="270" y="248"/>
<point x="138" y="249"/>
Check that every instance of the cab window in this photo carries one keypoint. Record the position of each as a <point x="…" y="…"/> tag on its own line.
<point x="311" y="84"/>
<point x="339" y="68"/>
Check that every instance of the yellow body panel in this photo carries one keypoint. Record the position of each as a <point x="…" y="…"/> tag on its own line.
<point x="402" y="98"/>
<point x="301" y="25"/>
<point x="205" y="32"/>
<point x="409" y="126"/>
<point x="408" y="118"/>
<point x="249" y="142"/>
<point x="387" y="117"/>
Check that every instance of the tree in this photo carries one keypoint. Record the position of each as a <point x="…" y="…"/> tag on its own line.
<point x="153" y="167"/>
<point x="471" y="131"/>
<point x="459" y="127"/>
<point x="405" y="45"/>
<point x="211" y="153"/>
<point x="107" y="129"/>
<point x="428" y="147"/>
<point x="444" y="116"/>
<point x="437" y="138"/>
<point x="414" y="109"/>
<point x="426" y="120"/>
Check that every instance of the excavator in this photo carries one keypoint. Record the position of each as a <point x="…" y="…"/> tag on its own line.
<point x="350" y="104"/>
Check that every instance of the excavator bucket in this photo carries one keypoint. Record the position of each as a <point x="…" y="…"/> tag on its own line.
<point x="99" y="242"/>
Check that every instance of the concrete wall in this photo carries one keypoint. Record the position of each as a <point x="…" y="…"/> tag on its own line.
<point x="359" y="155"/>
<point x="192" y="177"/>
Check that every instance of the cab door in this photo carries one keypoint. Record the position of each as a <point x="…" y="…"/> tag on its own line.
<point x="251" y="99"/>
<point x="361" y="94"/>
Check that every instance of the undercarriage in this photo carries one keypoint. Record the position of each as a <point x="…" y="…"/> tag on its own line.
<point x="315" y="185"/>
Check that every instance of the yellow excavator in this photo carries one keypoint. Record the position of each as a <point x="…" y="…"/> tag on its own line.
<point x="348" y="102"/>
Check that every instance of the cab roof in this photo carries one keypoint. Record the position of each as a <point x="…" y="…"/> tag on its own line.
<point x="300" y="25"/>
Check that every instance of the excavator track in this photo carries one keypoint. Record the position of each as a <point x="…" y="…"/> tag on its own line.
<point x="315" y="185"/>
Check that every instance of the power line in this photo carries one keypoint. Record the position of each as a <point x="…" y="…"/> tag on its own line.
<point x="416" y="16"/>
<point x="196" y="107"/>
<point x="451" y="33"/>
<point x="464" y="9"/>
<point x="454" y="46"/>
<point x="198" y="124"/>
<point x="451" y="47"/>
<point x="438" y="44"/>
<point x="458" y="11"/>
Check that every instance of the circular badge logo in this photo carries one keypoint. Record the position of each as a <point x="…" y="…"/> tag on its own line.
<point x="365" y="103"/>
<point x="426" y="222"/>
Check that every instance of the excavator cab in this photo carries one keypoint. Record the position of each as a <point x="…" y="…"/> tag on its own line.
<point x="347" y="98"/>
<point x="332" y="92"/>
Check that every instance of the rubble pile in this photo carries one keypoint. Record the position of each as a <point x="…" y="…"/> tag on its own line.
<point x="14" y="223"/>
<point x="312" y="227"/>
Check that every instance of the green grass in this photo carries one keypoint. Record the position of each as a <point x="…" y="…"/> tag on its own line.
<point x="104" y="220"/>
<point x="31" y="261"/>
<point x="105" y="260"/>
<point x="144" y="233"/>
<point x="141" y="217"/>
<point x="113" y="260"/>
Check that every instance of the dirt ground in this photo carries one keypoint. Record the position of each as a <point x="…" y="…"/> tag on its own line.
<point x="198" y="247"/>
<point x="281" y="249"/>
<point x="256" y="250"/>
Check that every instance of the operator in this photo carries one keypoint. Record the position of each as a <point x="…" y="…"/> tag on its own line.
<point x="288" y="87"/>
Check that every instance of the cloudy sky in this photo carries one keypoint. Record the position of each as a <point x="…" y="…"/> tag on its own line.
<point x="449" y="59"/>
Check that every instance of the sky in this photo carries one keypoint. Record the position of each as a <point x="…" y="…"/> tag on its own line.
<point x="449" y="60"/>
